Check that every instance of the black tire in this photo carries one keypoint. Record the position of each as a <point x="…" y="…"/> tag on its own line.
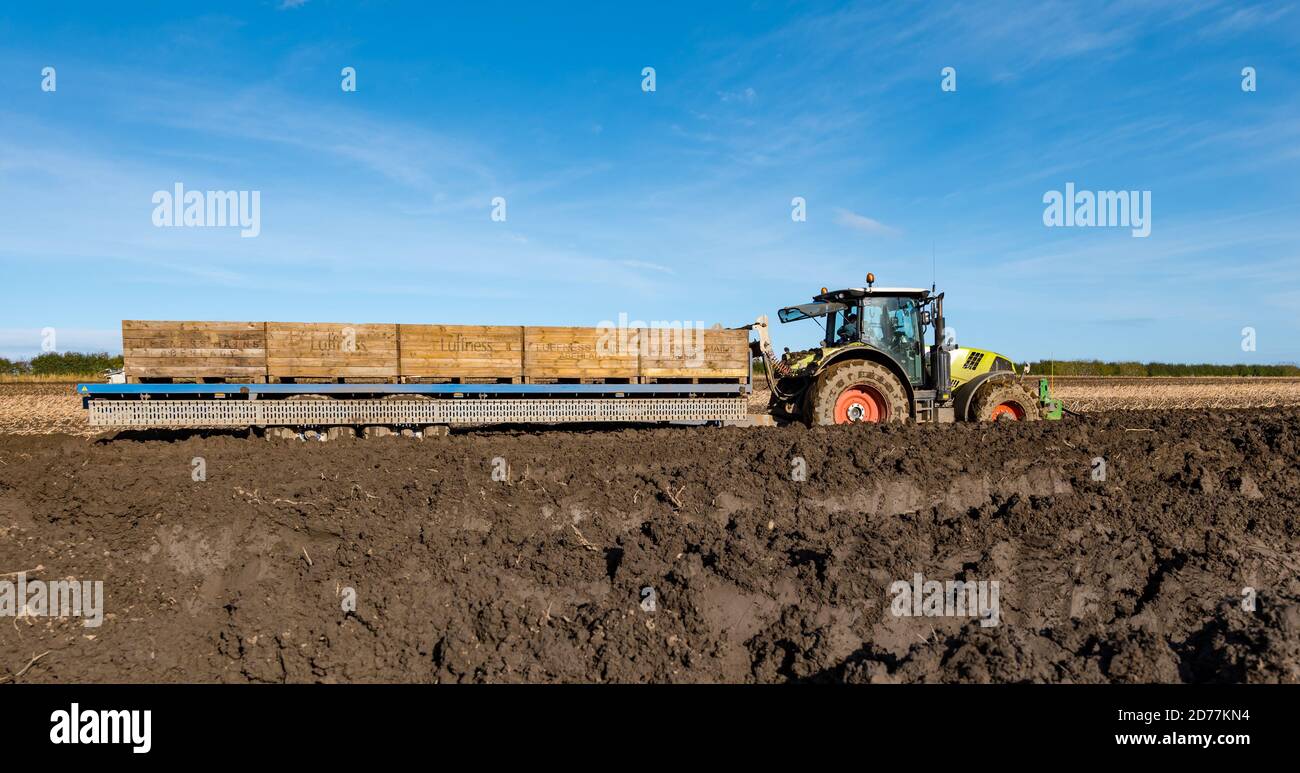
<point x="1019" y="404"/>
<point x="875" y="379"/>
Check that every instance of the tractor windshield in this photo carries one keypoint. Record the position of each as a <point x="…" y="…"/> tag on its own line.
<point x="893" y="326"/>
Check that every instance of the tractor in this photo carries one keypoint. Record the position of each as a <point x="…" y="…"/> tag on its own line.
<point x="872" y="365"/>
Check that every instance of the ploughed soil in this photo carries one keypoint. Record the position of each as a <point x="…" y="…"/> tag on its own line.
<point x="405" y="560"/>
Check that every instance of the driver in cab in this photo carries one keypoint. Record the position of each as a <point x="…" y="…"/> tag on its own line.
<point x="848" y="332"/>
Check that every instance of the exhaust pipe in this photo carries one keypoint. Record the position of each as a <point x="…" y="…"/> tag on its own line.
<point x="940" y="363"/>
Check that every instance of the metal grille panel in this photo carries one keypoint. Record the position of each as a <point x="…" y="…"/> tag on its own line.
<point x="244" y="413"/>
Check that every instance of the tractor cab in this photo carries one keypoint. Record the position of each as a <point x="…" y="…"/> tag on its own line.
<point x="890" y="320"/>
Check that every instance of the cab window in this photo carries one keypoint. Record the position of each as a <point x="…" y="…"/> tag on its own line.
<point x="893" y="326"/>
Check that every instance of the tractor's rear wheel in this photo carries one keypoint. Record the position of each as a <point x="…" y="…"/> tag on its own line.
<point x="857" y="391"/>
<point x="1005" y="401"/>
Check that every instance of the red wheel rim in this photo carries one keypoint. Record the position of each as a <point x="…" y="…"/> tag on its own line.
<point x="860" y="403"/>
<point x="1012" y="411"/>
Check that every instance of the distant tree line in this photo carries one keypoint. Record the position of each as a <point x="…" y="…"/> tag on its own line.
<point x="60" y="364"/>
<point x="1098" y="368"/>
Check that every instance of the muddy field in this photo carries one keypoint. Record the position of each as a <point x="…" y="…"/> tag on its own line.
<point x="540" y="572"/>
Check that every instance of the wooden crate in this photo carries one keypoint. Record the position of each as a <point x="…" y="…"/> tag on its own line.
<point x="576" y="353"/>
<point x="461" y="351"/>
<point x="331" y="350"/>
<point x="694" y="353"/>
<point x="234" y="351"/>
<point x="278" y="351"/>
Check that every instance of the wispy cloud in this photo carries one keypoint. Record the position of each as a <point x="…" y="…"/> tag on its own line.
<point x="863" y="223"/>
<point x="1238" y="21"/>
<point x="746" y="95"/>
<point x="409" y="155"/>
<point x="648" y="265"/>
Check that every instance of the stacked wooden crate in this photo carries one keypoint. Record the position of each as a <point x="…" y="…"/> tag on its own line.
<point x="230" y="351"/>
<point x="675" y="354"/>
<point x="576" y="353"/>
<point x="382" y="353"/>
<point x="314" y="350"/>
<point x="431" y="352"/>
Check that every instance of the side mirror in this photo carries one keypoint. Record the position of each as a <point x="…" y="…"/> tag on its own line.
<point x="925" y="317"/>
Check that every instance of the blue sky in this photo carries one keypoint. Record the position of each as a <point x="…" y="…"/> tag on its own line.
<point x="671" y="205"/>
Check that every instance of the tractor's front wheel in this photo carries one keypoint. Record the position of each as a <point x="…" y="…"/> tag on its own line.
<point x="857" y="391"/>
<point x="1005" y="401"/>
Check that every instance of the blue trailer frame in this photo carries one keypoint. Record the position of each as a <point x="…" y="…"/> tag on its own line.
<point x="108" y="391"/>
<point x="246" y="404"/>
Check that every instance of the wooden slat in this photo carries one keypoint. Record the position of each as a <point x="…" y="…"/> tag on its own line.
<point x="331" y="350"/>
<point x="461" y="351"/>
<point x="576" y="352"/>
<point x="694" y="353"/>
<point x="197" y="353"/>
<point x="170" y="326"/>
<point x="191" y="372"/>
